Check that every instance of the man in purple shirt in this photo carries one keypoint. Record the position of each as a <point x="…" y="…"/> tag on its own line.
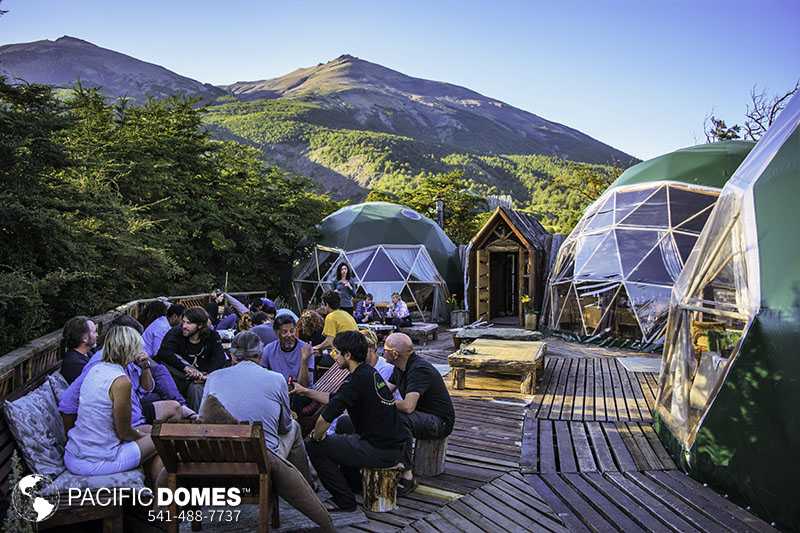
<point x="288" y="355"/>
<point x="154" y="333"/>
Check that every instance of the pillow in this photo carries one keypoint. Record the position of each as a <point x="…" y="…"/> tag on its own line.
<point x="287" y="480"/>
<point x="213" y="412"/>
<point x="290" y="485"/>
<point x="36" y="424"/>
<point x="59" y="385"/>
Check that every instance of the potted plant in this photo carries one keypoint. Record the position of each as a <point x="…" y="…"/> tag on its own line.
<point x="531" y="316"/>
<point x="458" y="316"/>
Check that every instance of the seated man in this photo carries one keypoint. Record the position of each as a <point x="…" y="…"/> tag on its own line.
<point x="336" y="320"/>
<point x="398" y="314"/>
<point x="79" y="337"/>
<point x="288" y="355"/>
<point x="191" y="351"/>
<point x="380" y="433"/>
<point x="366" y="311"/>
<point x="426" y="401"/>
<point x="252" y="393"/>
<point x="168" y="316"/>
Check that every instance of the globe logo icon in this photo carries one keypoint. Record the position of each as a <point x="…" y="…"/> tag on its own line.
<point x="28" y="500"/>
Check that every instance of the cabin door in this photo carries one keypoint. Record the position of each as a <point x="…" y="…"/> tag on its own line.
<point x="503" y="281"/>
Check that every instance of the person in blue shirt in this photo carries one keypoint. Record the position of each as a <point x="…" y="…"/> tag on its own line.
<point x="366" y="311"/>
<point x="160" y="317"/>
<point x="288" y="355"/>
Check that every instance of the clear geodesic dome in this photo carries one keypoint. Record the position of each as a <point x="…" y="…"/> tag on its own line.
<point x="614" y="273"/>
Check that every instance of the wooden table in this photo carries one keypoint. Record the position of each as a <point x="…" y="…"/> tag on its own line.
<point x="507" y="334"/>
<point x="522" y="358"/>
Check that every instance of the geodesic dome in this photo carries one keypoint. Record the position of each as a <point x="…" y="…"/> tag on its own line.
<point x="379" y="270"/>
<point x="730" y="384"/>
<point x="615" y="271"/>
<point x="371" y="223"/>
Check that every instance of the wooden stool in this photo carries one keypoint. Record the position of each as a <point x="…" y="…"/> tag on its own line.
<point x="379" y="488"/>
<point x="429" y="457"/>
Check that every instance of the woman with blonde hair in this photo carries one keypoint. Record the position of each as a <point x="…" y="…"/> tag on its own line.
<point x="103" y="440"/>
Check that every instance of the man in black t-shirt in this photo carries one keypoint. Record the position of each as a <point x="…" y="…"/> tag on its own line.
<point x="426" y="401"/>
<point x="191" y="351"/>
<point x="380" y="432"/>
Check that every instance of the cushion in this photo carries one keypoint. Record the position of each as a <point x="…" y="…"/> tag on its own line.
<point x="67" y="480"/>
<point x="213" y="412"/>
<point x="290" y="485"/>
<point x="36" y="424"/>
<point x="58" y="384"/>
<point x="287" y="480"/>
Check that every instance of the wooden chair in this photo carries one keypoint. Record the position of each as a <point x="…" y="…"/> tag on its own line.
<point x="330" y="382"/>
<point x="218" y="455"/>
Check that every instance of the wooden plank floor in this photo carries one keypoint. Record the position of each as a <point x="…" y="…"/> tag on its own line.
<point x="507" y="503"/>
<point x="485" y="445"/>
<point x="569" y="446"/>
<point x="598" y="389"/>
<point x="640" y="501"/>
<point x="581" y="457"/>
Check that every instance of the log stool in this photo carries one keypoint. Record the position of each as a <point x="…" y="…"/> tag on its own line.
<point x="379" y="488"/>
<point x="429" y="457"/>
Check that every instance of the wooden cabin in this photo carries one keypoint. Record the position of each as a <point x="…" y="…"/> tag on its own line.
<point x="507" y="259"/>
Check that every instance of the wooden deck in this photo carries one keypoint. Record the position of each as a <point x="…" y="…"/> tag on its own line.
<point x="582" y="456"/>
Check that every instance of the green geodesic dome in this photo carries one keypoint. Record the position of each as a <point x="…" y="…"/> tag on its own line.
<point x="730" y="387"/>
<point x="710" y="165"/>
<point x="372" y="223"/>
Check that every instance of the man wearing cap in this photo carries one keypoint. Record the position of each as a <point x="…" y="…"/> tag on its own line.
<point x="250" y="392"/>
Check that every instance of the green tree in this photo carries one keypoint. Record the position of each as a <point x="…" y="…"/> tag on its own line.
<point x="461" y="206"/>
<point x="560" y="200"/>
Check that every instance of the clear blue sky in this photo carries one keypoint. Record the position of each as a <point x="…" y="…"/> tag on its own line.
<point x="638" y="75"/>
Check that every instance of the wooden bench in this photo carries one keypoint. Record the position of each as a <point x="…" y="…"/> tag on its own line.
<point x="379" y="488"/>
<point x="429" y="456"/>
<point x="518" y="358"/>
<point x="421" y="332"/>
<point x="218" y="455"/>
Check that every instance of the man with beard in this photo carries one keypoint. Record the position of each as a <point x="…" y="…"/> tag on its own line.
<point x="191" y="351"/>
<point x="288" y="355"/>
<point x="79" y="338"/>
<point x="380" y="434"/>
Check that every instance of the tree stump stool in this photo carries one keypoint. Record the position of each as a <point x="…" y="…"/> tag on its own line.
<point x="429" y="457"/>
<point x="379" y="488"/>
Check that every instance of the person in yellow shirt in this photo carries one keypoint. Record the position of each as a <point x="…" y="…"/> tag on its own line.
<point x="336" y="321"/>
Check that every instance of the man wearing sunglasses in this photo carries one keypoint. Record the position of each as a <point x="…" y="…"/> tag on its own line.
<point x="425" y="402"/>
<point x="380" y="432"/>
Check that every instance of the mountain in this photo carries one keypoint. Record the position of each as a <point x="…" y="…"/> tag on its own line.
<point x="66" y="60"/>
<point x="349" y="124"/>
<point x="372" y="97"/>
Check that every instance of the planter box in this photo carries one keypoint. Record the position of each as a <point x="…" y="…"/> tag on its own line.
<point x="531" y="321"/>
<point x="458" y="318"/>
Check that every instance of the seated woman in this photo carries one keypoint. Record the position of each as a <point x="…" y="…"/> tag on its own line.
<point x="103" y="440"/>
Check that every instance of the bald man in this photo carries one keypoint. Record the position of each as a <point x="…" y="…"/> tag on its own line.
<point x="426" y="402"/>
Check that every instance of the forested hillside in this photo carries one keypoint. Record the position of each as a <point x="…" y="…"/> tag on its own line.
<point x="105" y="203"/>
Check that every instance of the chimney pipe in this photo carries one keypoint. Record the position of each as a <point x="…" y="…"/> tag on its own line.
<point x="440" y="212"/>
